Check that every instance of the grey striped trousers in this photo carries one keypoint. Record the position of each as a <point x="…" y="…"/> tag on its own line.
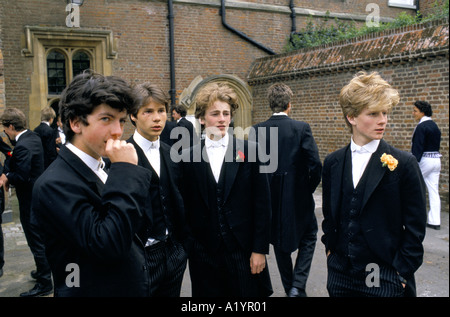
<point x="344" y="281"/>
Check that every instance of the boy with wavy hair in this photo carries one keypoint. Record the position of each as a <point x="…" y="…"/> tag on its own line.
<point x="227" y="202"/>
<point x="90" y="218"/>
<point x="373" y="201"/>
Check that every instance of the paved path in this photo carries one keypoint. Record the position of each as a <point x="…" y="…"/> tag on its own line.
<point x="432" y="278"/>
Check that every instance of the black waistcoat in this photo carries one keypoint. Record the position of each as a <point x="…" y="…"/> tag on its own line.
<point x="351" y="242"/>
<point x="224" y="235"/>
<point x="159" y="206"/>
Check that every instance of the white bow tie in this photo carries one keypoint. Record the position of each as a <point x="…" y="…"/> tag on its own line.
<point x="360" y="150"/>
<point x="215" y="144"/>
<point x="101" y="172"/>
<point x="101" y="165"/>
<point x="154" y="146"/>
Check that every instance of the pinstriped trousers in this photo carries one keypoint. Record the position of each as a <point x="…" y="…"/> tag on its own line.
<point x="344" y="281"/>
<point x="167" y="263"/>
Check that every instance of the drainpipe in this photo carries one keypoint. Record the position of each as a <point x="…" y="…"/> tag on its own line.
<point x="242" y="35"/>
<point x="172" y="90"/>
<point x="418" y="9"/>
<point x="293" y="24"/>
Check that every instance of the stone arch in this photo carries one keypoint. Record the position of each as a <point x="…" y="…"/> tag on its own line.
<point x="243" y="116"/>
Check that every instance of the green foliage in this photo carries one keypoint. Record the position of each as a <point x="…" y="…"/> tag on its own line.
<point x="325" y="33"/>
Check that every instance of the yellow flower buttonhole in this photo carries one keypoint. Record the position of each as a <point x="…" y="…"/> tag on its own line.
<point x="389" y="161"/>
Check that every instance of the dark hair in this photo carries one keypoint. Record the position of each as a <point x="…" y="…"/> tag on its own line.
<point x="181" y="110"/>
<point x="148" y="92"/>
<point x="14" y="117"/>
<point x="424" y="107"/>
<point x="89" y="90"/>
<point x="279" y="96"/>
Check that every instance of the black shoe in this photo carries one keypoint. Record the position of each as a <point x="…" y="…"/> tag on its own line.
<point x="1" y="272"/>
<point x="296" y="292"/>
<point x="34" y="274"/>
<point x="435" y="227"/>
<point x="38" y="290"/>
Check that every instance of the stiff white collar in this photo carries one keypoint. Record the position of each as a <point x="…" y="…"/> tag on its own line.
<point x="145" y="144"/>
<point x="217" y="143"/>
<point x="370" y="147"/>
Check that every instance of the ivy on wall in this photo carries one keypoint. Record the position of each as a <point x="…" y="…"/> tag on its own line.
<point x="326" y="33"/>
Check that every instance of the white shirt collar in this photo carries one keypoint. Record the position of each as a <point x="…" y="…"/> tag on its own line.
<point x="91" y="162"/>
<point x="145" y="144"/>
<point x="221" y="142"/>
<point x="17" y="136"/>
<point x="280" y="114"/>
<point x="424" y="118"/>
<point x="370" y="147"/>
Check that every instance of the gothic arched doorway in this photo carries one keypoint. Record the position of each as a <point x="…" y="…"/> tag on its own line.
<point x="243" y="117"/>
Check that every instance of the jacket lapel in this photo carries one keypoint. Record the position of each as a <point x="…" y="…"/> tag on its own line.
<point x="337" y="170"/>
<point x="142" y="158"/>
<point x="166" y="167"/>
<point x="231" y="165"/>
<point x="201" y="169"/>
<point x="82" y="169"/>
<point x="375" y="171"/>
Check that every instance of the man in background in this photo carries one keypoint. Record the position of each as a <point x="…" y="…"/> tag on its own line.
<point x="179" y="115"/>
<point x="6" y="150"/>
<point x="47" y="135"/>
<point x="294" y="224"/>
<point x="23" y="169"/>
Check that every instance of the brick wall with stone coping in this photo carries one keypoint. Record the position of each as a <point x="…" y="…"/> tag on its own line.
<point x="413" y="59"/>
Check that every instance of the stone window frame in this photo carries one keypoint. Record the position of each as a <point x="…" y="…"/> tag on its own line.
<point x="39" y="41"/>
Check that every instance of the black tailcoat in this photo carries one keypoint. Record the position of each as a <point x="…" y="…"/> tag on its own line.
<point x="245" y="200"/>
<point x="169" y="190"/>
<point x="294" y="181"/>
<point x="392" y="212"/>
<point x="48" y="139"/>
<point x="94" y="226"/>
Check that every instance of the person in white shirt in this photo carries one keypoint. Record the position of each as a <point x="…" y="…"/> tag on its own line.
<point x="426" y="142"/>
<point x="25" y="166"/>
<point x="373" y="200"/>
<point x="164" y="227"/>
<point x="227" y="202"/>
<point x="90" y="219"/>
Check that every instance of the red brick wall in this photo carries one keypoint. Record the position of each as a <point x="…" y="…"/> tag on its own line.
<point x="2" y="84"/>
<point x="427" y="6"/>
<point x="316" y="91"/>
<point x="202" y="45"/>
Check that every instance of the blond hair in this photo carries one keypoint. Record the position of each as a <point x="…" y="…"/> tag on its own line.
<point x="367" y="91"/>
<point x="211" y="93"/>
